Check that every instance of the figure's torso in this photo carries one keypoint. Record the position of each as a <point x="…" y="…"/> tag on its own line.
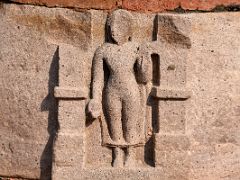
<point x="120" y="61"/>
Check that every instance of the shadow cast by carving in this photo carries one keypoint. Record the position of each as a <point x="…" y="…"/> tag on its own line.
<point x="50" y="104"/>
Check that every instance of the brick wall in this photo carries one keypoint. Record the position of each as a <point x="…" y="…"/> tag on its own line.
<point x="137" y="5"/>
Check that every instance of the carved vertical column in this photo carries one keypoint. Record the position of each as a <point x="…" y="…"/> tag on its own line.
<point x="71" y="95"/>
<point x="171" y="142"/>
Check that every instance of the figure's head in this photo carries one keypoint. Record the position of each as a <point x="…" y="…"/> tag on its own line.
<point x="121" y="24"/>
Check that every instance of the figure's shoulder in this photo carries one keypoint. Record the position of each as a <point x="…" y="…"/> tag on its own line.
<point x="133" y="47"/>
<point x="103" y="48"/>
<point x="100" y="50"/>
<point x="145" y="47"/>
<point x="133" y="44"/>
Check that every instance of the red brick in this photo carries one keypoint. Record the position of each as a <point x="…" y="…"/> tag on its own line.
<point x="135" y="5"/>
<point x="164" y="5"/>
<point x="83" y="4"/>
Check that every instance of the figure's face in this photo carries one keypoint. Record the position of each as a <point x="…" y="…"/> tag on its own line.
<point x="121" y="26"/>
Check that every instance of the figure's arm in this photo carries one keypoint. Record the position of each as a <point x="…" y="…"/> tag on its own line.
<point x="98" y="75"/>
<point x="144" y="66"/>
<point x="95" y="104"/>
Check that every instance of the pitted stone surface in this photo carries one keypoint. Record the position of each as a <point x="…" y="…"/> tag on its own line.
<point x="29" y="57"/>
<point x="115" y="89"/>
<point x="201" y="132"/>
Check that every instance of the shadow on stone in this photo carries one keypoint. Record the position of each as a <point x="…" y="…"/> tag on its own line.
<point x="155" y="29"/>
<point x="50" y="104"/>
<point x="149" y="152"/>
<point x="149" y="146"/>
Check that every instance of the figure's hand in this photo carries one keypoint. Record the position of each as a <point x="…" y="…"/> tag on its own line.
<point x="94" y="108"/>
<point x="144" y="69"/>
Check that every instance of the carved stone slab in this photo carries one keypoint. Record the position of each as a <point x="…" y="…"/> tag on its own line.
<point x="71" y="94"/>
<point x="135" y="103"/>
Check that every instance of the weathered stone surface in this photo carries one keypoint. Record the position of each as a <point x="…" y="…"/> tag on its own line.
<point x="70" y="92"/>
<point x="173" y="118"/>
<point x="59" y="26"/>
<point x="213" y="76"/>
<point x="70" y="147"/>
<point x="198" y="137"/>
<point x="110" y="173"/>
<point x="171" y="143"/>
<point x="172" y="154"/>
<point x="170" y="94"/>
<point x="72" y="62"/>
<point x="29" y="59"/>
<point x="136" y="5"/>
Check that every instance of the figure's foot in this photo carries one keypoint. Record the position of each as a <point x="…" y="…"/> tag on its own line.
<point x="131" y="160"/>
<point x="117" y="163"/>
<point x="118" y="158"/>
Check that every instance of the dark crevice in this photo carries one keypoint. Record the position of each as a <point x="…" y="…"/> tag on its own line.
<point x="16" y="178"/>
<point x="155" y="29"/>
<point x="219" y="8"/>
<point x="149" y="152"/>
<point x="156" y="69"/>
<point x="230" y="8"/>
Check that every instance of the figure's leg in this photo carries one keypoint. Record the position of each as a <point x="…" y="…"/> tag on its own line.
<point x="130" y="159"/>
<point x="131" y="109"/>
<point x="118" y="157"/>
<point x="130" y="120"/>
<point x="113" y="116"/>
<point x="113" y="108"/>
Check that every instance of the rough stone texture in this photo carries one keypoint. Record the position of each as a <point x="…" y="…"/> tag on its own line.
<point x="69" y="140"/>
<point x="119" y="99"/>
<point x="213" y="122"/>
<point x="196" y="138"/>
<point x="172" y="154"/>
<point x="29" y="59"/>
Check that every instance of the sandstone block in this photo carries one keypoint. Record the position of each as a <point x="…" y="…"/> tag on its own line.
<point x="172" y="154"/>
<point x="29" y="40"/>
<point x="29" y="64"/>
<point x="170" y="93"/>
<point x="173" y="118"/>
<point x="70" y="92"/>
<point x="71" y="116"/>
<point x="58" y="26"/>
<point x="171" y="143"/>
<point x="68" y="150"/>
<point x="72" y="64"/>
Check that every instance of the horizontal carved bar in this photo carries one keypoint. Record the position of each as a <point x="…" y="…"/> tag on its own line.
<point x="70" y="93"/>
<point x="170" y="94"/>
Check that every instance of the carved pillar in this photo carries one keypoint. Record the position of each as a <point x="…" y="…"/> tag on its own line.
<point x="71" y="94"/>
<point x="170" y="94"/>
<point x="167" y="146"/>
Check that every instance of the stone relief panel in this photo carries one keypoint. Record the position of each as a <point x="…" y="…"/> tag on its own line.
<point x="197" y="135"/>
<point x="134" y="105"/>
<point x="119" y="98"/>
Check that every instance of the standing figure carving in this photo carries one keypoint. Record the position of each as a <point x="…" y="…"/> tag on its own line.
<point x="119" y="97"/>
